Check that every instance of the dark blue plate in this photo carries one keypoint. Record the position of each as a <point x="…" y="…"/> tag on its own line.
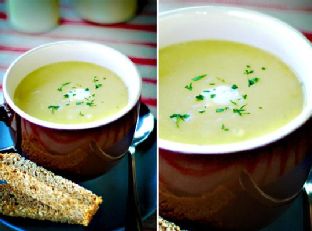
<point x="112" y="186"/>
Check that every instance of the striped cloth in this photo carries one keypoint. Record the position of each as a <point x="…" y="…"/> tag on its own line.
<point x="297" y="13"/>
<point x="136" y="39"/>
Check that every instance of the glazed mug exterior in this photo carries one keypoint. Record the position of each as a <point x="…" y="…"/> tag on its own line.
<point x="246" y="185"/>
<point x="84" y="150"/>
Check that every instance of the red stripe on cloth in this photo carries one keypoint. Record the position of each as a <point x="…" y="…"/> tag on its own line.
<point x="13" y="49"/>
<point x="136" y="60"/>
<point x="149" y="28"/>
<point x="308" y="35"/>
<point x="64" y="37"/>
<point x="0" y="87"/>
<point x="149" y="101"/>
<point x="147" y="80"/>
<point x="143" y="61"/>
<point x="3" y="16"/>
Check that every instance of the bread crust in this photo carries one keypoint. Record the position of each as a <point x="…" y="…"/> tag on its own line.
<point x="34" y="192"/>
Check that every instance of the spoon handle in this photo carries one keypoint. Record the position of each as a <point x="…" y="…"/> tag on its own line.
<point x="133" y="219"/>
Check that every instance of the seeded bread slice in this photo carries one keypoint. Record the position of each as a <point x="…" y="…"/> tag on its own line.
<point x="34" y="192"/>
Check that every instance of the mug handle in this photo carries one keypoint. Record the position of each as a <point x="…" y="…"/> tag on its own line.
<point x="250" y="186"/>
<point x="4" y="117"/>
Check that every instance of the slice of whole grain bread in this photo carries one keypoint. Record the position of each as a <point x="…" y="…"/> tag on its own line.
<point x="34" y="192"/>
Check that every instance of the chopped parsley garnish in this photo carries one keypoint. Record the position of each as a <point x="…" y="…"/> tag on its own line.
<point x="224" y="128"/>
<point x="79" y="103"/>
<point x="178" y="118"/>
<point x="212" y="96"/>
<point x="98" y="85"/>
<point x="87" y="89"/>
<point x="189" y="87"/>
<point x="206" y="90"/>
<point x="199" y="77"/>
<point x="90" y="103"/>
<point x="248" y="70"/>
<point x="212" y="84"/>
<point x="66" y="96"/>
<point x="81" y="114"/>
<point x="263" y="68"/>
<point x="233" y="102"/>
<point x="241" y="111"/>
<point x="201" y="111"/>
<point x="62" y="86"/>
<point x="218" y="110"/>
<point x="245" y="96"/>
<point x="253" y="81"/>
<point x="260" y="107"/>
<point x="53" y="108"/>
<point x="234" y="86"/>
<point x="199" y="97"/>
<point x="95" y="79"/>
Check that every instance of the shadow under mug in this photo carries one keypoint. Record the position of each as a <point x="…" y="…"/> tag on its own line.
<point x="84" y="150"/>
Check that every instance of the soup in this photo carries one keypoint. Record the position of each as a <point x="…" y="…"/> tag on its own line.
<point x="214" y="92"/>
<point x="71" y="93"/>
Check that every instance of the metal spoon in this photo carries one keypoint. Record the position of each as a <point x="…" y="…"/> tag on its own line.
<point x="308" y="189"/>
<point x="144" y="128"/>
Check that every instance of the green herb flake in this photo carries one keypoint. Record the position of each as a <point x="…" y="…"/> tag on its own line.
<point x="212" y="84"/>
<point x="53" y="108"/>
<point x="224" y="128"/>
<point x="245" y="96"/>
<point x="87" y="89"/>
<point x="212" y="96"/>
<point x="233" y="102"/>
<point x="90" y="103"/>
<point x="81" y="114"/>
<point x="241" y="111"/>
<point x="189" y="87"/>
<point x="201" y="111"/>
<point x="263" y="68"/>
<point x="95" y="79"/>
<point x="66" y="96"/>
<point x="98" y="85"/>
<point x="62" y="86"/>
<point x="253" y="81"/>
<point x="79" y="103"/>
<point x="234" y="86"/>
<point x="218" y="110"/>
<point x="248" y="72"/>
<point x="260" y="108"/>
<point x="178" y="118"/>
<point x="199" y="77"/>
<point x="199" y="97"/>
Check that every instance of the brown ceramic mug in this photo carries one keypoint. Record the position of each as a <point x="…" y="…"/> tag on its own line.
<point x="244" y="185"/>
<point x="86" y="149"/>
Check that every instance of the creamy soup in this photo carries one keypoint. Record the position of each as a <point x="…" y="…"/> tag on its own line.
<point x="71" y="93"/>
<point x="213" y="92"/>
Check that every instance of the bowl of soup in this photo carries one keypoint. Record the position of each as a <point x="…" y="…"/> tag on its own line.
<point x="234" y="116"/>
<point x="72" y="106"/>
